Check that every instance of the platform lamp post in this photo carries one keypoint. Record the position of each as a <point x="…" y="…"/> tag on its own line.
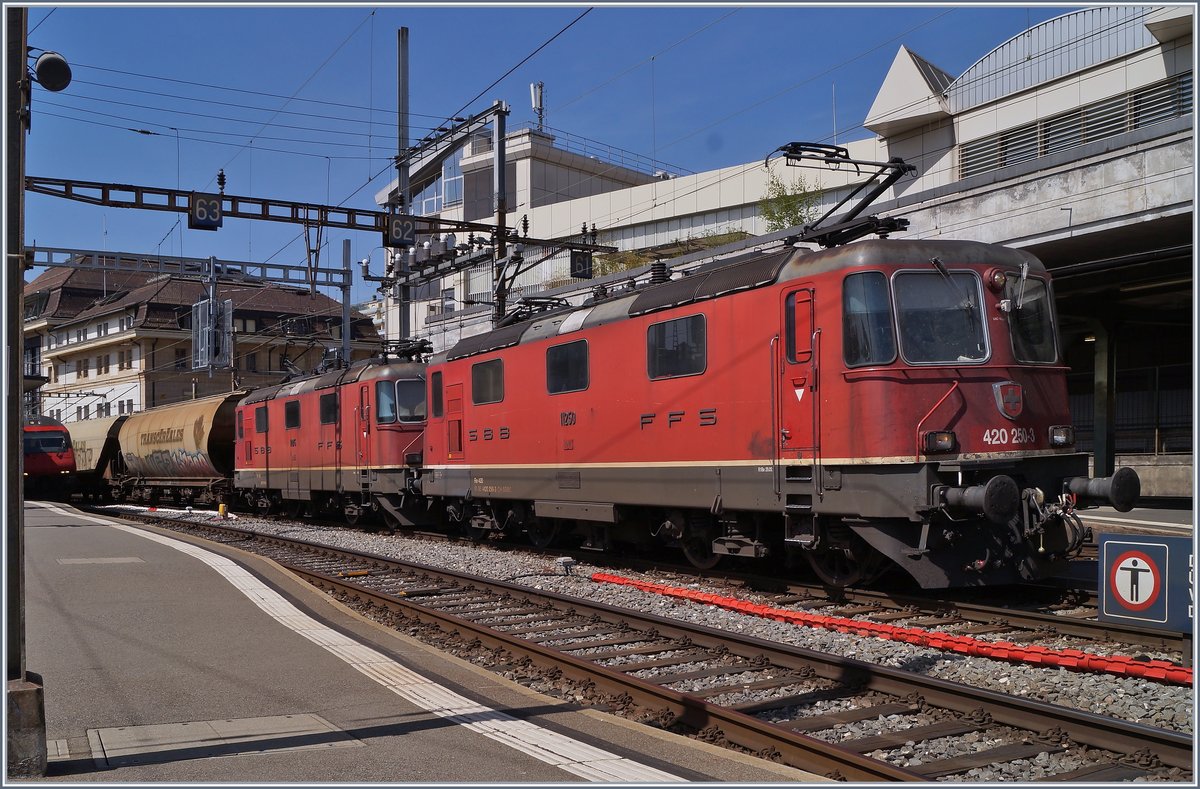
<point x="26" y="719"/>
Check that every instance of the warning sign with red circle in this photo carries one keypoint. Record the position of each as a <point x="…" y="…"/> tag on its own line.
<point x="1146" y="579"/>
<point x="1135" y="580"/>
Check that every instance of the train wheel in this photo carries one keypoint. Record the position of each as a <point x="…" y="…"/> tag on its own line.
<point x="264" y="506"/>
<point x="542" y="532"/>
<point x="836" y="567"/>
<point x="697" y="543"/>
<point x="356" y="515"/>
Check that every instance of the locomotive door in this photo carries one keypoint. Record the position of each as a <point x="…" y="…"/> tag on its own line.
<point x="454" y="422"/>
<point x="362" y="428"/>
<point x="798" y="371"/>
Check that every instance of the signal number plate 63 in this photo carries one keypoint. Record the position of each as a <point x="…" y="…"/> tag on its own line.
<point x="1008" y="435"/>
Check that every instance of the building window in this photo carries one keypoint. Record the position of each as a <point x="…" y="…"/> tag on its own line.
<point x="676" y="348"/>
<point x="79" y="335"/>
<point x="78" y="413"/>
<point x="487" y="382"/>
<point x="87" y="411"/>
<point x="120" y="406"/>
<point x="82" y="366"/>
<point x="252" y="362"/>
<point x="567" y="367"/>
<point x="181" y="357"/>
<point x="129" y="406"/>
<point x="291" y="414"/>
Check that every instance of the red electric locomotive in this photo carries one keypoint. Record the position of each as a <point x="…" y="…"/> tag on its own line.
<point x="884" y="403"/>
<point x="49" y="459"/>
<point x="344" y="441"/>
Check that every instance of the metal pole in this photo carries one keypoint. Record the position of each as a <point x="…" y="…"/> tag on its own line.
<point x="17" y="92"/>
<point x="214" y="332"/>
<point x="1104" y="439"/>
<point x="501" y="205"/>
<point x="402" y="187"/>
<point x="346" y="302"/>
<point x="25" y="720"/>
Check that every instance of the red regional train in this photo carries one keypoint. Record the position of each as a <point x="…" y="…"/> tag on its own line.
<point x="883" y="404"/>
<point x="49" y="468"/>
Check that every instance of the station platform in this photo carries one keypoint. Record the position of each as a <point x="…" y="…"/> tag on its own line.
<point x="169" y="659"/>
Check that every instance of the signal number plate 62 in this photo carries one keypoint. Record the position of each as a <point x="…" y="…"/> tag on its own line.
<point x="1008" y="435"/>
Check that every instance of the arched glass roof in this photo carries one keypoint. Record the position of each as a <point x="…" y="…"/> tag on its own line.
<point x="1052" y="49"/>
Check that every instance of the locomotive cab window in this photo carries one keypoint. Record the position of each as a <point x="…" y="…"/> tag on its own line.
<point x="385" y="402"/>
<point x="260" y="419"/>
<point x="487" y="382"/>
<point x="47" y="442"/>
<point x="940" y="317"/>
<point x="329" y="408"/>
<point x="567" y="367"/>
<point x="676" y="348"/>
<point x="867" y="334"/>
<point x="399" y="401"/>
<point x="1031" y="325"/>
<point x="291" y="414"/>
<point x="410" y="400"/>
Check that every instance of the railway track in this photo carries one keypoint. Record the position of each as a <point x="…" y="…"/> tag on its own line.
<point x="1065" y="608"/>
<point x="778" y="701"/>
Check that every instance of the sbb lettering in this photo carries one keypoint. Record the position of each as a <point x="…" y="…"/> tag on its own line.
<point x="488" y="434"/>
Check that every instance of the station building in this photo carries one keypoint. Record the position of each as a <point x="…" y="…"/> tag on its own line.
<point x="1073" y="140"/>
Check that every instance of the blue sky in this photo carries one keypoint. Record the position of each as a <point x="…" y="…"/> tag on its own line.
<point x="304" y="99"/>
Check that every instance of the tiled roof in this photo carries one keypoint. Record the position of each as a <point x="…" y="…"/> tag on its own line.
<point x="162" y="299"/>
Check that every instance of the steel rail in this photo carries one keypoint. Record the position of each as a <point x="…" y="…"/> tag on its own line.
<point x="1174" y="749"/>
<point x="764" y="739"/>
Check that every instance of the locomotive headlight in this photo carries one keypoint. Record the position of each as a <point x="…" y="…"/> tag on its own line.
<point x="1062" y="436"/>
<point x="940" y="441"/>
<point x="996" y="279"/>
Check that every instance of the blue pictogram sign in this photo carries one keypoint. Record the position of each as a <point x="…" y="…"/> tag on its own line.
<point x="1146" y="579"/>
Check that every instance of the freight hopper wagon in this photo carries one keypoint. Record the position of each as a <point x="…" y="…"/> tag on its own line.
<point x="346" y="442"/>
<point x="97" y="455"/>
<point x="887" y="403"/>
<point x="180" y="453"/>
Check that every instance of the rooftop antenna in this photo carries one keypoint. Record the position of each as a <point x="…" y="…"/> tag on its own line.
<point x="536" y="91"/>
<point x="835" y="113"/>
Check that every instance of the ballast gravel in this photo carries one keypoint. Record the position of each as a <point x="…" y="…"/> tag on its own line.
<point x="1127" y="698"/>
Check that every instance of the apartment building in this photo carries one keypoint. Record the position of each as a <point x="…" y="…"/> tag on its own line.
<point x="110" y="342"/>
